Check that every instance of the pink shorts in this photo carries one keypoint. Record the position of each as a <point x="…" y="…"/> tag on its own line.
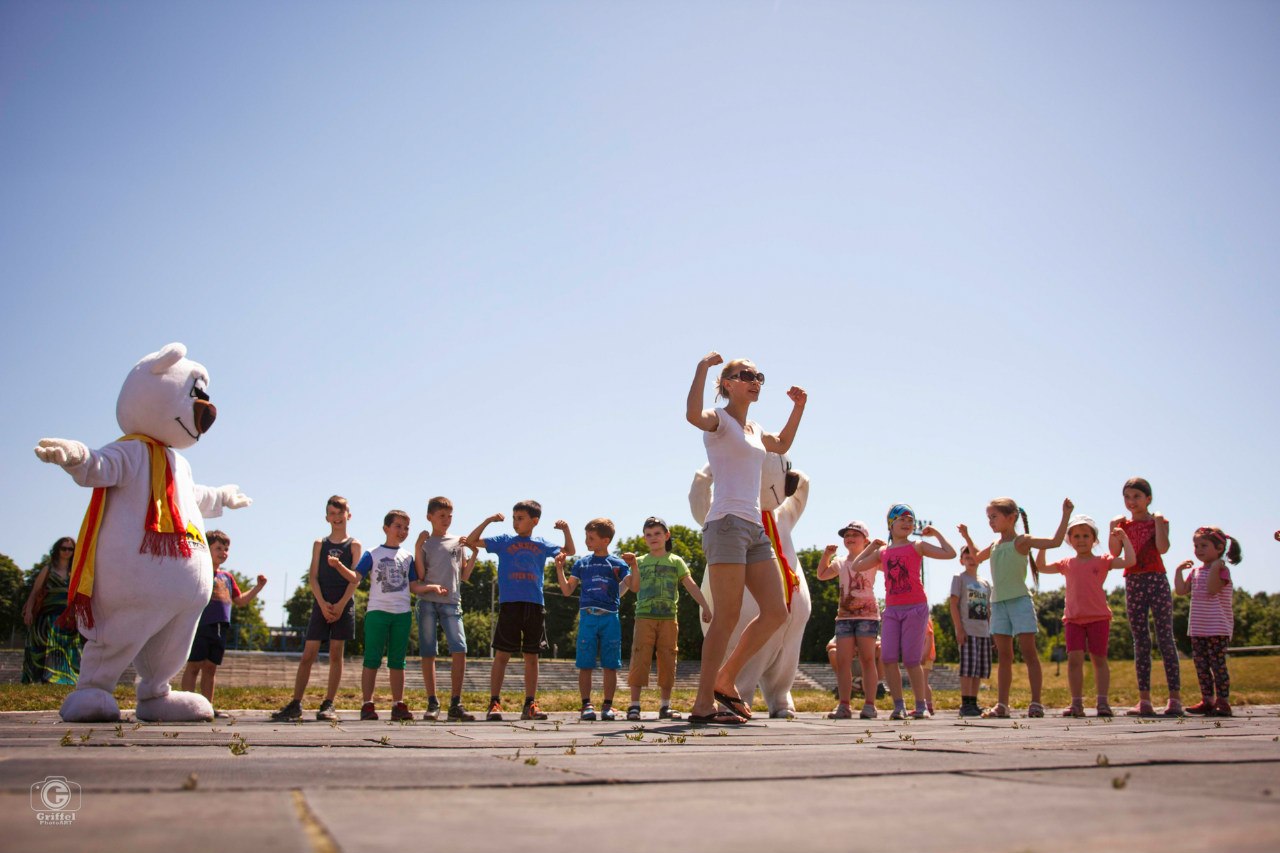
<point x="1091" y="637"/>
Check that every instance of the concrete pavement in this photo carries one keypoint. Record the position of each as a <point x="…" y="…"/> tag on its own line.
<point x="808" y="784"/>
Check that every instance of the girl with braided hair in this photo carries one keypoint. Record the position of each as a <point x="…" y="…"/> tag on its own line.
<point x="1212" y="618"/>
<point x="1146" y="590"/>
<point x="1012" y="611"/>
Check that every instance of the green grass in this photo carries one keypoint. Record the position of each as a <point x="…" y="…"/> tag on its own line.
<point x="1255" y="680"/>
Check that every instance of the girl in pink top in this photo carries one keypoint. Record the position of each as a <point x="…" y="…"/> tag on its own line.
<point x="906" y="608"/>
<point x="1088" y="616"/>
<point x="1212" y="619"/>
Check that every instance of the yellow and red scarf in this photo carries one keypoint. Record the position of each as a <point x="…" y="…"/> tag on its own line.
<point x="790" y="582"/>
<point x="164" y="532"/>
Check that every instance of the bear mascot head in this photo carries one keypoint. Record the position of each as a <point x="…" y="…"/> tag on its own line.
<point x="783" y="495"/>
<point x="142" y="574"/>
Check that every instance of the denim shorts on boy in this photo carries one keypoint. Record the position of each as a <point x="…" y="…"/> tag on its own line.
<point x="903" y="633"/>
<point x="734" y="540"/>
<point x="975" y="657"/>
<point x="386" y="633"/>
<point x="449" y="617"/>
<point x="210" y="643"/>
<point x="1092" y="637"/>
<point x="857" y="627"/>
<point x="319" y="628"/>
<point x="599" y="637"/>
<point x="1014" y="616"/>
<point x="519" y="628"/>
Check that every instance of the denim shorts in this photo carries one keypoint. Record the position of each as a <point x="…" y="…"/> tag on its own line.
<point x="449" y="617"/>
<point x="1014" y="616"/>
<point x="857" y="627"/>
<point x="599" y="637"/>
<point x="735" y="541"/>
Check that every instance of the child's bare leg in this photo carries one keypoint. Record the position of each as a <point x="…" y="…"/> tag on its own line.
<point x="208" y="672"/>
<point x="1030" y="654"/>
<point x="368" y="677"/>
<point x="870" y="672"/>
<point x="1004" y="671"/>
<point x="335" y="668"/>
<point x="530" y="675"/>
<point x="610" y="685"/>
<point x="1075" y="674"/>
<point x="893" y="675"/>
<point x="457" y="671"/>
<point x="397" y="684"/>
<point x="189" y="676"/>
<point x="429" y="676"/>
<point x="928" y="688"/>
<point x="915" y="672"/>
<point x="844" y="669"/>
<point x="1102" y="677"/>
<point x="498" y="672"/>
<point x="969" y="685"/>
<point x="309" y="653"/>
<point x="584" y="685"/>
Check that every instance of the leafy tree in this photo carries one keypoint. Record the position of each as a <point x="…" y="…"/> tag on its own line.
<point x="13" y="595"/>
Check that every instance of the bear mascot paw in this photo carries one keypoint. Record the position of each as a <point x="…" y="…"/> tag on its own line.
<point x="783" y="495"/>
<point x="142" y="573"/>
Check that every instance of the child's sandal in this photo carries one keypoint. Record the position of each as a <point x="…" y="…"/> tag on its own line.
<point x="1035" y="709"/>
<point x="998" y="711"/>
<point x="633" y="713"/>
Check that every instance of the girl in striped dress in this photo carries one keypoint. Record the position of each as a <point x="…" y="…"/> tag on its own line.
<point x="1212" y="619"/>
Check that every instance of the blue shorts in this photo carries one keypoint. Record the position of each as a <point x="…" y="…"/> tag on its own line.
<point x="448" y="617"/>
<point x="1014" y="616"/>
<point x="857" y="627"/>
<point x="599" y="636"/>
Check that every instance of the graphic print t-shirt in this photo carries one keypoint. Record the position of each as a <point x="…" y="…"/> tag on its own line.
<point x="973" y="596"/>
<point x="600" y="578"/>
<point x="389" y="571"/>
<point x="902" y="581"/>
<point x="857" y="593"/>
<point x="659" y="593"/>
<point x="219" y="607"/>
<point x="521" y="560"/>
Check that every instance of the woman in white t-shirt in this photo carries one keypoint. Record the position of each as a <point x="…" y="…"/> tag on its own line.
<point x="737" y="549"/>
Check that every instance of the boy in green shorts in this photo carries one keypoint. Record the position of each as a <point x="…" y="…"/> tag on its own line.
<point x="388" y="616"/>
<point x="656" y="580"/>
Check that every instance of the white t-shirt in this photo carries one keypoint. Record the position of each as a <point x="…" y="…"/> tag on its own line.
<point x="737" y="460"/>
<point x="389" y="570"/>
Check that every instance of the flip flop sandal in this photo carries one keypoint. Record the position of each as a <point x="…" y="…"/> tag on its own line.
<point x="719" y="718"/>
<point x="735" y="704"/>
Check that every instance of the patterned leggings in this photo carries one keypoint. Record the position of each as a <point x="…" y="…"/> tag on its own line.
<point x="1150" y="592"/>
<point x="1210" y="655"/>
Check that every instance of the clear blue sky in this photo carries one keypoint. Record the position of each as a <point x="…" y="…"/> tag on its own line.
<point x="477" y="249"/>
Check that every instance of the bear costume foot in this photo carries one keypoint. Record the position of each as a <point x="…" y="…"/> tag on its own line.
<point x="175" y="706"/>
<point x="89" y="705"/>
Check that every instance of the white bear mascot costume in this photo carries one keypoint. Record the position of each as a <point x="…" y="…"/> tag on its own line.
<point x="773" y="668"/>
<point x="142" y="573"/>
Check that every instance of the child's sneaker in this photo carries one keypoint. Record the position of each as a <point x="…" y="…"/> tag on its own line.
<point x="368" y="712"/>
<point x="458" y="714"/>
<point x="327" y="714"/>
<point x="898" y="714"/>
<point x="633" y="713"/>
<point x="1142" y="709"/>
<point x="433" y="710"/>
<point x="842" y="712"/>
<point x="289" y="713"/>
<point x="1204" y="706"/>
<point x="532" y="712"/>
<point x="588" y="714"/>
<point x="1222" y="708"/>
<point x="1173" y="709"/>
<point x="920" y="714"/>
<point x="608" y="714"/>
<point x="495" y="711"/>
<point x="400" y="712"/>
<point x="869" y="712"/>
<point x="970" y="710"/>
<point x="881" y="689"/>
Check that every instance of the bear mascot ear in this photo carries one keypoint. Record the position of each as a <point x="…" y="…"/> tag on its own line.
<point x="168" y="356"/>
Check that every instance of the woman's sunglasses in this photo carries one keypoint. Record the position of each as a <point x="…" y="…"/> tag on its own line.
<point x="747" y="376"/>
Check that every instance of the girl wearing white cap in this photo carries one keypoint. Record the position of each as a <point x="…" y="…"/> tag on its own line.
<point x="1087" y="622"/>
<point x="739" y="556"/>
<point x="857" y="619"/>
